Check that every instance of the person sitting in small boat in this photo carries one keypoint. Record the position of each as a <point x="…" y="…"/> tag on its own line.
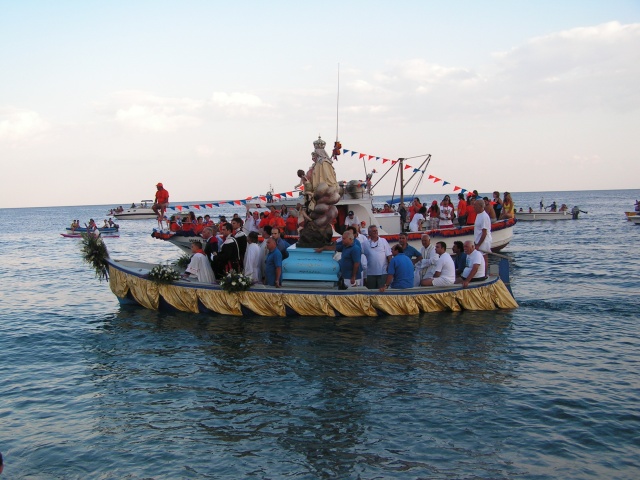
<point x="408" y="250"/>
<point x="418" y="220"/>
<point x="474" y="270"/>
<point x="399" y="271"/>
<point x="92" y="225"/>
<point x="459" y="257"/>
<point x="553" y="207"/>
<point x="112" y="224"/>
<point x="445" y="271"/>
<point x="563" y="207"/>
<point x="105" y="224"/>
<point x="434" y="215"/>
<point x="199" y="266"/>
<point x="133" y="205"/>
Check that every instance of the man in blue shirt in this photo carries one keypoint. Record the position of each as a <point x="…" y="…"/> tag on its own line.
<point x="408" y="250"/>
<point x="399" y="271"/>
<point x="273" y="264"/>
<point x="350" y="268"/>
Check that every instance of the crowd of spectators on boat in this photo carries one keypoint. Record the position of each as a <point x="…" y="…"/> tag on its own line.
<point x="445" y="214"/>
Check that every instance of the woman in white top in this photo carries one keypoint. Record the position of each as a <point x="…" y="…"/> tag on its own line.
<point x="417" y="220"/>
<point x="446" y="213"/>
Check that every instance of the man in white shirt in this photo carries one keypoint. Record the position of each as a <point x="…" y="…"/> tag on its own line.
<point x="474" y="271"/>
<point x="445" y="273"/>
<point x="252" y="262"/>
<point x="378" y="253"/>
<point x="426" y="267"/>
<point x="482" y="231"/>
<point x="351" y="220"/>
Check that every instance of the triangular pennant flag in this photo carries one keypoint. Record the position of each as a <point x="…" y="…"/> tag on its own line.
<point x="353" y="153"/>
<point x="416" y="169"/>
<point x="277" y="195"/>
<point x="385" y="160"/>
<point x="370" y="157"/>
<point x="237" y="202"/>
<point x="345" y="151"/>
<point x="264" y="199"/>
<point x="407" y="166"/>
<point x="436" y="180"/>
<point x="456" y="188"/>
<point x="197" y="207"/>
<point x="362" y="155"/>
<point x="243" y="202"/>
<point x="179" y="208"/>
<point x="393" y="162"/>
<point x="430" y="177"/>
<point x="290" y="194"/>
<point x="377" y="158"/>
<point x="462" y="190"/>
<point x="445" y="183"/>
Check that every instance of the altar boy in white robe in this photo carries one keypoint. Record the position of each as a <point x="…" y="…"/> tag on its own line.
<point x="199" y="266"/>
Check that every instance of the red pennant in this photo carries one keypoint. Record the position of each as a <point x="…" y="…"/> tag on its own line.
<point x="385" y="160"/>
<point x="370" y="157"/>
<point x="362" y="155"/>
<point x="456" y="188"/>
<point x="436" y="180"/>
<point x="407" y="166"/>
<point x="197" y="207"/>
<point x="209" y="205"/>
<point x="430" y="177"/>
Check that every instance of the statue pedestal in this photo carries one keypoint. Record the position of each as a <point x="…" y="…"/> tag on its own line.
<point x="305" y="265"/>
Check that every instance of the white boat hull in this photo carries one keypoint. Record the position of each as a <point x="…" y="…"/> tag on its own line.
<point x="136" y="214"/>
<point x="635" y="219"/>
<point x="538" y="216"/>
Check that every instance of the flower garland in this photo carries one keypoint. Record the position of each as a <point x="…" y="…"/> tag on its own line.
<point x="163" y="274"/>
<point x="94" y="252"/>
<point x="235" y="282"/>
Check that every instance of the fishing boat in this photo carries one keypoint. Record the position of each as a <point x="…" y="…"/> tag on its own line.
<point x="137" y="212"/>
<point x="543" y="215"/>
<point x="130" y="282"/>
<point x="635" y="219"/>
<point x="631" y="214"/>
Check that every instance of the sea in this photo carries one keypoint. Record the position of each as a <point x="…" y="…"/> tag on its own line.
<point x="90" y="389"/>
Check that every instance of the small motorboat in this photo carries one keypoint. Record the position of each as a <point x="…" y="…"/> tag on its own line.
<point x="142" y="211"/>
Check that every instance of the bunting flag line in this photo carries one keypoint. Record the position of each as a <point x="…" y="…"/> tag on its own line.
<point x="406" y="167"/>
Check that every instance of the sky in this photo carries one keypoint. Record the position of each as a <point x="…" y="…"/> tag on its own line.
<point x="99" y="100"/>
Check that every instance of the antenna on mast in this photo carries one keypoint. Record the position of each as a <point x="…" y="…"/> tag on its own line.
<point x="338" y="103"/>
<point x="337" y="146"/>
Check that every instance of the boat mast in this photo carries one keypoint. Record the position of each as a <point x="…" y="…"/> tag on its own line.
<point x="401" y="167"/>
<point x="338" y="103"/>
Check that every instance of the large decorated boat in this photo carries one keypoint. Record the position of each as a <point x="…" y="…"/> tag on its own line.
<point x="130" y="282"/>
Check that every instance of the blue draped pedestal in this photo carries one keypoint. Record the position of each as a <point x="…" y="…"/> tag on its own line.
<point x="305" y="265"/>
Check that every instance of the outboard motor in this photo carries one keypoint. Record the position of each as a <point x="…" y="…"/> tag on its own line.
<point x="575" y="211"/>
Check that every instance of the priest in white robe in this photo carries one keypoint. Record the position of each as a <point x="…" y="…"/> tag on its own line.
<point x="199" y="267"/>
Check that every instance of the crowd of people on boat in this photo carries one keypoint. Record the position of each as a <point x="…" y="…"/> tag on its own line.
<point x="366" y="259"/>
<point x="444" y="214"/>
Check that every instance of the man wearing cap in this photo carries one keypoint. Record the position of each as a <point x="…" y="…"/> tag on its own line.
<point x="161" y="202"/>
<point x="351" y="220"/>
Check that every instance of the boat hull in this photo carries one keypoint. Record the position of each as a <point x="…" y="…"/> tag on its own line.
<point x="84" y="230"/>
<point x="635" y="219"/>
<point x="79" y="235"/>
<point x="129" y="282"/>
<point x="538" y="216"/>
<point x="136" y="214"/>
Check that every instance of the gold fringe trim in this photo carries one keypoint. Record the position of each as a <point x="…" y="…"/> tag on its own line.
<point x="275" y="304"/>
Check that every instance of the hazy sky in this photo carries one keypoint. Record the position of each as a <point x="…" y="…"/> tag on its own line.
<point x="100" y="100"/>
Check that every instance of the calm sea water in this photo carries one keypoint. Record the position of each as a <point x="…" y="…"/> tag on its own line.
<point x="90" y="389"/>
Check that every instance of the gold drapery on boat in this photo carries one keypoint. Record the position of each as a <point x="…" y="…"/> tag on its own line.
<point x="275" y="303"/>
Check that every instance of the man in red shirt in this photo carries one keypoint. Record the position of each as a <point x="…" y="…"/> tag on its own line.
<point x="161" y="203"/>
